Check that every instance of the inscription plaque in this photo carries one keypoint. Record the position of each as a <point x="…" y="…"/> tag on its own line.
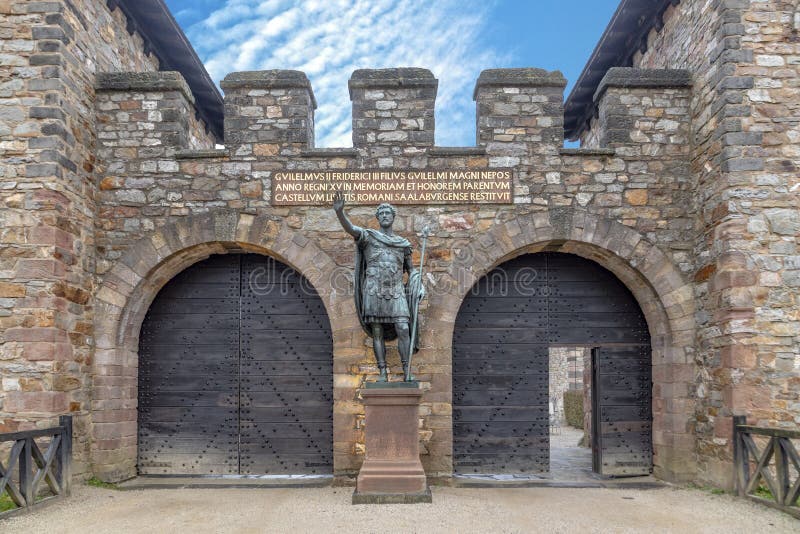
<point x="446" y="186"/>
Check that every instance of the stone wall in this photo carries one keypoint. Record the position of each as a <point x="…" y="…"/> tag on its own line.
<point x="614" y="206"/>
<point x="51" y="52"/>
<point x="711" y="50"/>
<point x="767" y="197"/>
<point x="559" y="379"/>
<point x="743" y="56"/>
<point x="576" y="361"/>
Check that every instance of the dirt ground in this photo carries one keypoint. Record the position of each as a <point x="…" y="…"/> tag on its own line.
<point x="94" y="511"/>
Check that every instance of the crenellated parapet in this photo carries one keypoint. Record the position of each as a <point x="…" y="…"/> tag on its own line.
<point x="519" y="114"/>
<point x="151" y="167"/>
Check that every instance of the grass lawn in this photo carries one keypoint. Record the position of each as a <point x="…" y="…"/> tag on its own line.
<point x="6" y="503"/>
<point x="764" y="493"/>
<point x="97" y="483"/>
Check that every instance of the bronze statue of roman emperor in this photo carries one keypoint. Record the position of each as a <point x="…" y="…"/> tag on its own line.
<point x="387" y="307"/>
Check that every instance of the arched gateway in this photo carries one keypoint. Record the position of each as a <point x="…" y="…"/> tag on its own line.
<point x="503" y="332"/>
<point x="235" y="372"/>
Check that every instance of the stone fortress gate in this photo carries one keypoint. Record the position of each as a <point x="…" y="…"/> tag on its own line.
<point x="192" y="305"/>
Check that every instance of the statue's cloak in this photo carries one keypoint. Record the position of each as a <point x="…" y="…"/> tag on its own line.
<point x="413" y="287"/>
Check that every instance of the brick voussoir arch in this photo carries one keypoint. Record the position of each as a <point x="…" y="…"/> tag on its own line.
<point x="642" y="266"/>
<point x="666" y="300"/>
<point x="128" y="289"/>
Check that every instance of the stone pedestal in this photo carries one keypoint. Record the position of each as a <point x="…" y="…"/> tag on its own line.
<point x="392" y="472"/>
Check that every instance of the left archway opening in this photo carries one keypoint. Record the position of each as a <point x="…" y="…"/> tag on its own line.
<point x="235" y="373"/>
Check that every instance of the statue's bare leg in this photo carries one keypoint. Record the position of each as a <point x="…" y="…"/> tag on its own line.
<point x="379" y="346"/>
<point x="403" y="346"/>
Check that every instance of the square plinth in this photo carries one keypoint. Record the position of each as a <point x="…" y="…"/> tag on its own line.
<point x="392" y="471"/>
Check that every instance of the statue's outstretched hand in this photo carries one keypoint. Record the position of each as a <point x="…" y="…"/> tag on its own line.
<point x="415" y="278"/>
<point x="338" y="201"/>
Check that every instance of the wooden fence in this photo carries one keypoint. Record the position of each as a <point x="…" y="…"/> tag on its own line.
<point x="27" y="466"/>
<point x="770" y="474"/>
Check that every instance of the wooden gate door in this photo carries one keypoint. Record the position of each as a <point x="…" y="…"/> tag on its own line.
<point x="286" y="390"/>
<point x="235" y="372"/>
<point x="500" y="373"/>
<point x="501" y="341"/>
<point x="621" y="413"/>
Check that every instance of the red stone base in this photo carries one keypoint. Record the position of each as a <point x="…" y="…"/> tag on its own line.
<point x="392" y="471"/>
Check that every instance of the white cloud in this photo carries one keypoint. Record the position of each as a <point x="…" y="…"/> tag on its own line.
<point x="328" y="40"/>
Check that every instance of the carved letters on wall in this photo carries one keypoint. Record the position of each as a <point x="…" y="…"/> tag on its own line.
<point x="458" y="186"/>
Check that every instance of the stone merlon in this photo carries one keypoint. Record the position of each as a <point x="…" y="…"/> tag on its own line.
<point x="527" y="77"/>
<point x="404" y="77"/>
<point x="645" y="78"/>
<point x="143" y="81"/>
<point x="268" y="79"/>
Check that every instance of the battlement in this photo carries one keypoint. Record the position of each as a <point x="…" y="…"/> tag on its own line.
<point x="520" y="112"/>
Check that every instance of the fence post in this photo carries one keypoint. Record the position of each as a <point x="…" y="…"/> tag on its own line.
<point x="66" y="453"/>
<point x="25" y="480"/>
<point x="741" y="467"/>
<point x="741" y="461"/>
<point x="781" y="470"/>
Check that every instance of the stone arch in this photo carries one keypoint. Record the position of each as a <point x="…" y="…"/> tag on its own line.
<point x="665" y="298"/>
<point x="129" y="287"/>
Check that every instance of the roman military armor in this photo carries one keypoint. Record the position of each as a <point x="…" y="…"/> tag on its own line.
<point x="385" y="305"/>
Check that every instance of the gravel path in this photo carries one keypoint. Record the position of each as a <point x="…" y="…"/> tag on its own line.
<point x="95" y="511"/>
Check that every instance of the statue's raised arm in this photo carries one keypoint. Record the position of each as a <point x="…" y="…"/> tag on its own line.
<point x="338" y="207"/>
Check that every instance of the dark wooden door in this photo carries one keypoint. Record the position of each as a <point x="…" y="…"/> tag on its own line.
<point x="189" y="373"/>
<point x="500" y="373"/>
<point x="501" y="341"/>
<point x="286" y="391"/>
<point x="621" y="399"/>
<point x="235" y="372"/>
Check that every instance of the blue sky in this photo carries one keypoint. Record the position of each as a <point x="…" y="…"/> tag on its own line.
<point x="456" y="39"/>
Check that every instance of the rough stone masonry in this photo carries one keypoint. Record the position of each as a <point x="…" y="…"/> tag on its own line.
<point x="685" y="188"/>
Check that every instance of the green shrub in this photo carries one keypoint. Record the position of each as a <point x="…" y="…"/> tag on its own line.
<point x="573" y="407"/>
